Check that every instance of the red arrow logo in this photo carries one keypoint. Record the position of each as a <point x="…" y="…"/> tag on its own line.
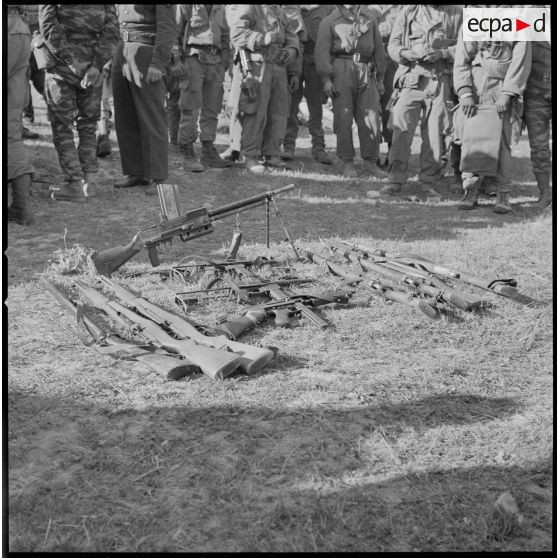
<point x="519" y="25"/>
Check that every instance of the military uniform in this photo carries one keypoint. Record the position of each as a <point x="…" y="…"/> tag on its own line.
<point x="538" y="114"/>
<point x="79" y="36"/>
<point x="310" y="83"/>
<point x="423" y="88"/>
<point x="486" y="71"/>
<point x="36" y="76"/>
<point x="349" y="52"/>
<point x="147" y="33"/>
<point x="203" y="37"/>
<point x="385" y="15"/>
<point x="271" y="44"/>
<point x="18" y="52"/>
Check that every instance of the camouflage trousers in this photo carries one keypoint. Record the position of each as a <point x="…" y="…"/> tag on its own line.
<point x="68" y="104"/>
<point x="537" y="112"/>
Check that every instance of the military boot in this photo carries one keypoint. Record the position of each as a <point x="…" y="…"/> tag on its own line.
<point x="72" y="192"/>
<point x="90" y="185"/>
<point x="373" y="169"/>
<point x="191" y="161"/>
<point x="543" y="184"/>
<point x="349" y="169"/>
<point x="502" y="204"/>
<point x="103" y="145"/>
<point x="20" y="210"/>
<point x="470" y="199"/>
<point x="211" y="158"/>
<point x="231" y="155"/>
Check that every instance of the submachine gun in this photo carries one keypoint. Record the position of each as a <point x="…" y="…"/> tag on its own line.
<point x="174" y="222"/>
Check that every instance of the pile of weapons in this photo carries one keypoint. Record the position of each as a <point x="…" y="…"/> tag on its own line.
<point x="175" y="346"/>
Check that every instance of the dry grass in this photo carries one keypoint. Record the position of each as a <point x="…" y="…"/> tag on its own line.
<point x="387" y="432"/>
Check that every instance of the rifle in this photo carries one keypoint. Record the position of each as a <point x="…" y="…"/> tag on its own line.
<point x="421" y="282"/>
<point x="376" y="287"/>
<point x="250" y="357"/>
<point x="187" y="226"/>
<point x="282" y="309"/>
<point x="503" y="287"/>
<point x="215" y="363"/>
<point x="109" y="343"/>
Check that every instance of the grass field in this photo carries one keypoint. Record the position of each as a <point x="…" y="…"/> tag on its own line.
<point x="386" y="432"/>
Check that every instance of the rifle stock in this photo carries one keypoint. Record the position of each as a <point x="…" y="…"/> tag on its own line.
<point x="251" y="358"/>
<point x="214" y="363"/>
<point x="167" y="366"/>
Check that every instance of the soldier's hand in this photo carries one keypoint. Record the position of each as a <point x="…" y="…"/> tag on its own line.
<point x="433" y="55"/>
<point x="178" y="70"/>
<point x="503" y="103"/>
<point x="410" y="55"/>
<point x="92" y="77"/>
<point x="294" y="83"/>
<point x="153" y="75"/>
<point x="468" y="106"/>
<point x="329" y="89"/>
<point x="78" y="68"/>
<point x="287" y="55"/>
<point x="269" y="37"/>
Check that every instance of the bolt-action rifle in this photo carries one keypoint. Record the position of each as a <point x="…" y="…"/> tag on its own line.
<point x="409" y="299"/>
<point x="502" y="287"/>
<point x="420" y="281"/>
<point x="251" y="358"/>
<point x="187" y="226"/>
<point x="215" y="363"/>
<point x="106" y="341"/>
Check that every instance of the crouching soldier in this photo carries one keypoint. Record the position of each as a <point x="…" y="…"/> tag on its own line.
<point x="489" y="78"/>
<point x="203" y="37"/>
<point x="350" y="60"/>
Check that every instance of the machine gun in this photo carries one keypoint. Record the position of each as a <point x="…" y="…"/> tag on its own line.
<point x="187" y="226"/>
<point x="105" y="340"/>
<point x="216" y="363"/>
<point x="425" y="306"/>
<point x="252" y="358"/>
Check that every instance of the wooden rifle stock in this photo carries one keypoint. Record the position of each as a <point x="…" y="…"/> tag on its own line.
<point x="167" y="366"/>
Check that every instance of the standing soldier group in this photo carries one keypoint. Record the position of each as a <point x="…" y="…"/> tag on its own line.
<point x="386" y="68"/>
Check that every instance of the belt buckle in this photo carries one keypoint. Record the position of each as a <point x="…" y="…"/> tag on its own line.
<point x="356" y="56"/>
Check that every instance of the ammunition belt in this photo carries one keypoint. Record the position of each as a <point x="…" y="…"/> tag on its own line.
<point x="138" y="37"/>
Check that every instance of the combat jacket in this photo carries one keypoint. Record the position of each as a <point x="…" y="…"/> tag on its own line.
<point x="249" y="23"/>
<point x="541" y="66"/>
<point x="79" y="32"/>
<point x="158" y="20"/>
<point x="488" y="69"/>
<point x="342" y="34"/>
<point x="202" y="33"/>
<point x="312" y="15"/>
<point x="420" y="27"/>
<point x="294" y="19"/>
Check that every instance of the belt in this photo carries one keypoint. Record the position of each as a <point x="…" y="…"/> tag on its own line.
<point x="138" y="37"/>
<point x="355" y="57"/>
<point x="83" y="36"/>
<point x="209" y="49"/>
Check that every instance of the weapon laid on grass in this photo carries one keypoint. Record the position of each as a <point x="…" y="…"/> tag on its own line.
<point x="282" y="309"/>
<point x="409" y="299"/>
<point x="187" y="226"/>
<point x="251" y="358"/>
<point x="503" y="287"/>
<point x="420" y="281"/>
<point x="215" y="363"/>
<point x="108" y="342"/>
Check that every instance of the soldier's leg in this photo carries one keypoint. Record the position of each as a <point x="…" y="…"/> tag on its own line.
<point x="291" y="132"/>
<point x="504" y="173"/>
<point x="103" y="126"/>
<point x="367" y="118"/>
<point x="343" y="108"/>
<point x="277" y="113"/>
<point x="88" y="105"/>
<point x="538" y="114"/>
<point x="126" y="120"/>
<point x="235" y="129"/>
<point x="391" y="67"/>
<point x="61" y="105"/>
<point x="191" y="101"/>
<point x="173" y="108"/>
<point x="471" y="184"/>
<point x="253" y="115"/>
<point x="313" y="95"/>
<point x="405" y="116"/>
